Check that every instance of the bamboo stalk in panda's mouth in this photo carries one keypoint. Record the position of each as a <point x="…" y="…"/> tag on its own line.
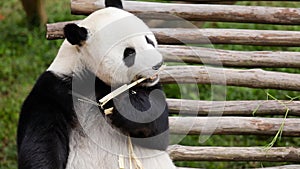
<point x="119" y="91"/>
<point x="125" y="87"/>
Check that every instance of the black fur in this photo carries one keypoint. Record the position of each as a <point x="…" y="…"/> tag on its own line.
<point x="143" y="116"/>
<point x="74" y="34"/>
<point x="47" y="117"/>
<point x="114" y="3"/>
<point x="45" y="122"/>
<point x="129" y="56"/>
<point x="149" y="41"/>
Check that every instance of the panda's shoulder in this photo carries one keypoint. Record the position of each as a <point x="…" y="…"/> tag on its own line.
<point x="49" y="89"/>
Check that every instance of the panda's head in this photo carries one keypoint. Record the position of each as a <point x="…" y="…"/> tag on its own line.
<point x="115" y="45"/>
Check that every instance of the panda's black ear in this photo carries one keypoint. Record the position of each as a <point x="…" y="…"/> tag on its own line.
<point x="114" y="3"/>
<point x="75" y="34"/>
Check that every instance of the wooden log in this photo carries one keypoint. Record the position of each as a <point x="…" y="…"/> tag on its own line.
<point x="253" y="78"/>
<point x="206" y="2"/>
<point x="198" y="12"/>
<point x="227" y="36"/>
<point x="55" y="30"/>
<point x="229" y="0"/>
<point x="233" y="108"/>
<point x="209" y="56"/>
<point x="234" y="126"/>
<point x="207" y="36"/>
<point x="275" y="154"/>
<point x="283" y="167"/>
<point x="275" y="167"/>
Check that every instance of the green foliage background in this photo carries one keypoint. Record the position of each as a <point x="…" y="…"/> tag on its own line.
<point x="25" y="54"/>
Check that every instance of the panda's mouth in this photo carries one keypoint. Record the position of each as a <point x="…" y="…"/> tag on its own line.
<point x="149" y="82"/>
<point x="142" y="81"/>
<point x="150" y="78"/>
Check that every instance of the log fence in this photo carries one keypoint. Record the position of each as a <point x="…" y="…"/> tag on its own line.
<point x="208" y="36"/>
<point x="233" y="108"/>
<point x="275" y="154"/>
<point x="223" y="67"/>
<point x="199" y="12"/>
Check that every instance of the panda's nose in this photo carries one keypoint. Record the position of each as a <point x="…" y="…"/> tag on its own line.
<point x="157" y="66"/>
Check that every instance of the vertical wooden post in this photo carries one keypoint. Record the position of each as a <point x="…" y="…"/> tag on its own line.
<point x="35" y="10"/>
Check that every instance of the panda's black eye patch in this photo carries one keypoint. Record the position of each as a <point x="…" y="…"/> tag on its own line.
<point x="149" y="41"/>
<point x="129" y="56"/>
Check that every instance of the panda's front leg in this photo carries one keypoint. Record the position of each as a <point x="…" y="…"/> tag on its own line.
<point x="143" y="114"/>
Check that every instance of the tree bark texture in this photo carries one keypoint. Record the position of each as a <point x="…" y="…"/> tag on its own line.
<point x="198" y="12"/>
<point x="249" y="59"/>
<point x="253" y="78"/>
<point x="233" y="108"/>
<point x="207" y="36"/>
<point x="275" y="154"/>
<point x="234" y="126"/>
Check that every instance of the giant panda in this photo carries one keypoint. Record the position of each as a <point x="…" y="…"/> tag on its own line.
<point x="58" y="130"/>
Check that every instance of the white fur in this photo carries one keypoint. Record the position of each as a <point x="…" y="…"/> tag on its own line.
<point x="100" y="57"/>
<point x="96" y="145"/>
